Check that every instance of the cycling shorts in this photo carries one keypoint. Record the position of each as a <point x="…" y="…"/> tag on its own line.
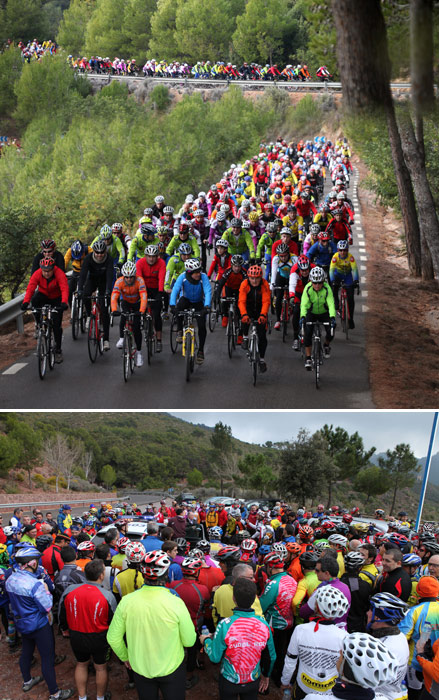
<point x="92" y="645"/>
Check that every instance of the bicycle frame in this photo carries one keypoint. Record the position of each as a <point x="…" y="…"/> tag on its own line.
<point x="46" y="341"/>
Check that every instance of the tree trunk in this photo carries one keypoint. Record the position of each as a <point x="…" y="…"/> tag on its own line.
<point x="421" y="55"/>
<point x="392" y="507"/>
<point x="426" y="205"/>
<point x="329" y="494"/>
<point x="222" y="486"/>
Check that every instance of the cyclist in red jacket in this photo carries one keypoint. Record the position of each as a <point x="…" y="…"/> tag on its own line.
<point x="153" y="270"/>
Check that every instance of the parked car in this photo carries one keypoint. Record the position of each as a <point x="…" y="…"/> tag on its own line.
<point x="186" y="497"/>
<point x="136" y="530"/>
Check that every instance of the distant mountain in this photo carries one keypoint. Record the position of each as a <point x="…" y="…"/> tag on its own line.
<point x="434" y="468"/>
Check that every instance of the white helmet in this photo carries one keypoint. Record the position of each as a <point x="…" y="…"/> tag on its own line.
<point x="129" y="269"/>
<point x="332" y="602"/>
<point x="338" y="540"/>
<point x="370" y="662"/>
<point x="281" y="549"/>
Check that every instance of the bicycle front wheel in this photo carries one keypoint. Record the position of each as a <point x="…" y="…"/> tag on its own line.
<point x="51" y="349"/>
<point x="231" y="334"/>
<point x="92" y="341"/>
<point x="284" y="321"/>
<point x="100" y="335"/>
<point x="254" y="360"/>
<point x="75" y="317"/>
<point x="42" y="354"/>
<point x="82" y="317"/>
<point x="173" y="335"/>
<point x="188" y="355"/>
<point x="344" y="316"/>
<point x="213" y="314"/>
<point x="126" y="356"/>
<point x="317" y="351"/>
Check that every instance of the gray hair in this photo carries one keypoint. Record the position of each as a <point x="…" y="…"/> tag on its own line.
<point x="152" y="527"/>
<point x="240" y="570"/>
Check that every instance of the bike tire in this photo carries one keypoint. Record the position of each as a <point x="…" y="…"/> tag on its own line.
<point x="148" y="340"/>
<point x="132" y="352"/>
<point x="100" y="337"/>
<point x="344" y="317"/>
<point x="75" y="318"/>
<point x="316" y="362"/>
<point x="51" y="349"/>
<point x="41" y="354"/>
<point x="231" y="334"/>
<point x="254" y="362"/>
<point x="83" y="317"/>
<point x="126" y="357"/>
<point x="92" y="341"/>
<point x="285" y="320"/>
<point x="173" y="335"/>
<point x="213" y="315"/>
<point x="188" y="343"/>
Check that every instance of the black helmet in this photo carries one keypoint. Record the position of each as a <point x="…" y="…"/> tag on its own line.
<point x="43" y="542"/>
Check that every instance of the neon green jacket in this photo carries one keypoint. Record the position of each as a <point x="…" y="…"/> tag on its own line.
<point x="115" y="250"/>
<point x="319" y="302"/>
<point x="174" y="268"/>
<point x="138" y="245"/>
<point x="157" y="626"/>
<point x="176" y="241"/>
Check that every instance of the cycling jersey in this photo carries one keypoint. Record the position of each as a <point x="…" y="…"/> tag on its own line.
<point x="153" y="275"/>
<point x="398" y="646"/>
<point x="318" y="302"/>
<point x="343" y="267"/>
<point x="174" y="268"/>
<point x="316" y="648"/>
<point x="138" y="245"/>
<point x="116" y="249"/>
<point x="266" y="244"/>
<point x="77" y="262"/>
<point x="87" y="608"/>
<point x="97" y="270"/>
<point x="280" y="271"/>
<point x="58" y="259"/>
<point x="321" y="254"/>
<point x="232" y="280"/>
<point x="130" y="293"/>
<point x="305" y="588"/>
<point x="412" y="624"/>
<point x="219" y="265"/>
<point x="29" y="599"/>
<point x="254" y="301"/>
<point x="195" y="596"/>
<point x="193" y="291"/>
<point x="238" y="643"/>
<point x="52" y="288"/>
<point x="239" y="244"/>
<point x="223" y="603"/>
<point x="276" y="600"/>
<point x="176" y="241"/>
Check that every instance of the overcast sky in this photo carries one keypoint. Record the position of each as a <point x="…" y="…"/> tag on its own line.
<point x="382" y="429"/>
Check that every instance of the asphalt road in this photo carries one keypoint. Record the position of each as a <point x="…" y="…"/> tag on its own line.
<point x="220" y="383"/>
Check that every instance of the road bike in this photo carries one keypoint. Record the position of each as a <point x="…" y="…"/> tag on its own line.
<point x="189" y="338"/>
<point x="215" y="311"/>
<point x="232" y="324"/>
<point x="253" y="350"/>
<point x="78" y="315"/>
<point x="95" y="339"/>
<point x="149" y="333"/>
<point x="317" y="348"/>
<point x="345" y="314"/>
<point x="129" y="344"/>
<point x="45" y="338"/>
<point x="285" y="311"/>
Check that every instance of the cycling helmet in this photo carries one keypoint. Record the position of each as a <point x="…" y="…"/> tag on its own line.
<point x="387" y="607"/>
<point x="271" y="227"/>
<point x="293" y="548"/>
<point x="77" y="250"/>
<point x="151" y="250"/>
<point x="409" y="560"/>
<point x="253" y="216"/>
<point x="135" y="552"/>
<point x="286" y="231"/>
<point x="162" y="231"/>
<point x="237" y="260"/>
<point x="248" y="545"/>
<point x="309" y="558"/>
<point x="27" y="554"/>
<point x="337" y="212"/>
<point x="347" y="518"/>
<point x="274" y="560"/>
<point x="185" y="249"/>
<point x="148" y="211"/>
<point x="254" y="271"/>
<point x="8" y="530"/>
<point x="342" y="528"/>
<point x="236" y="223"/>
<point x="147" y="230"/>
<point x="338" y="540"/>
<point x="314" y="229"/>
<point x="243" y="535"/>
<point x="87" y="546"/>
<point x="281" y="549"/>
<point x="204" y="546"/>
<point x="353" y="560"/>
<point x="199" y="212"/>
<point x="159" y="199"/>
<point x="305" y="532"/>
<point x="430" y="546"/>
<point x="370" y="662"/>
<point x="221" y="216"/>
<point x="192" y="265"/>
<point x="106" y="232"/>
<point x="305" y="195"/>
<point x="116" y="228"/>
<point x="282" y="249"/>
<point x="196" y="553"/>
<point x="317" y="274"/>
<point x="191" y="566"/>
<point x="341" y="195"/>
<point x="168" y="210"/>
<point x="155" y="564"/>
<point x="184" y="227"/>
<point x="48" y="244"/>
<point x="323" y="236"/>
<point x="320" y="546"/>
<point x="401" y="541"/>
<point x="122" y="544"/>
<point x="331" y="602"/>
<point x="182" y="545"/>
<point x="216" y="532"/>
<point x="47" y="264"/>
<point x="222" y="242"/>
<point x="342" y="245"/>
<point x="43" y="542"/>
<point x="228" y="553"/>
<point x="129" y="269"/>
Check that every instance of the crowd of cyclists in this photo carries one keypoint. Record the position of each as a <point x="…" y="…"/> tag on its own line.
<point x="321" y="604"/>
<point x="268" y="212"/>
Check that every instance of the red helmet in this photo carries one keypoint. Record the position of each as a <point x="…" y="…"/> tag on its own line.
<point x="274" y="560"/>
<point x="135" y="552"/>
<point x="122" y="543"/>
<point x="305" y="532"/>
<point x="303" y="262"/>
<point x="254" y="271"/>
<point x="248" y="545"/>
<point x="155" y="564"/>
<point x="190" y="566"/>
<point x="328" y="525"/>
<point x="87" y="546"/>
<point x="323" y="236"/>
<point x="48" y="244"/>
<point x="347" y="518"/>
<point x="47" y="264"/>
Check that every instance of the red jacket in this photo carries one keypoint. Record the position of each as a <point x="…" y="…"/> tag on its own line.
<point x="219" y="265"/>
<point x="154" y="275"/>
<point x="294" y="250"/>
<point x="304" y="208"/>
<point x="51" y="560"/>
<point x="53" y="288"/>
<point x="222" y="517"/>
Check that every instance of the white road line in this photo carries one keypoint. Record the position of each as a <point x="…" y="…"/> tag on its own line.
<point x="15" y="368"/>
<point x="363" y="267"/>
<point x="364" y="308"/>
<point x="364" y="293"/>
<point x="363" y="257"/>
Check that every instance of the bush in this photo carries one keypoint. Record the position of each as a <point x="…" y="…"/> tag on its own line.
<point x="19" y="477"/>
<point x="160" y="98"/>
<point x="39" y="480"/>
<point x="11" y="488"/>
<point x="305" y="119"/>
<point x="62" y="483"/>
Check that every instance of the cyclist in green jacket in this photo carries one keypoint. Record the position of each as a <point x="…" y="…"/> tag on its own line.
<point x="317" y="304"/>
<point x="147" y="235"/>
<point x="175" y="265"/>
<point x="115" y="247"/>
<point x="184" y="236"/>
<point x="239" y="240"/>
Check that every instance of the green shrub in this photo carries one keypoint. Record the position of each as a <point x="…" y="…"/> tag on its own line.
<point x="159" y="98"/>
<point x="11" y="488"/>
<point x="39" y="480"/>
<point x="19" y="477"/>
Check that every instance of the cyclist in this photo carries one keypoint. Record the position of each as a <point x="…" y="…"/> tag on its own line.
<point x="124" y="238"/>
<point x="254" y="302"/>
<point x="304" y="207"/>
<point x="147" y="235"/>
<point x="231" y="281"/>
<point x="265" y="246"/>
<point x="114" y="245"/>
<point x="201" y="232"/>
<point x="286" y="238"/>
<point x="131" y="290"/>
<point x="317" y="304"/>
<point x="281" y="266"/>
<point x="239" y="240"/>
<point x="344" y="269"/>
<point x="184" y="236"/>
<point x="97" y="274"/>
<point x="338" y="229"/>
<point x="321" y="253"/>
<point x="48" y="250"/>
<point x="53" y="290"/>
<point x="299" y="277"/>
<point x="75" y="254"/>
<point x="192" y="290"/>
<point x="153" y="270"/>
<point x="311" y="238"/>
<point x="175" y="265"/>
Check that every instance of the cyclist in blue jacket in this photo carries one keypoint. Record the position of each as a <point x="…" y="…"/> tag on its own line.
<point x="192" y="290"/>
<point x="321" y="252"/>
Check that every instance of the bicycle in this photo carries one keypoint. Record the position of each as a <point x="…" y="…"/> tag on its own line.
<point x="253" y="350"/>
<point x="345" y="315"/>
<point x="149" y="334"/>
<point x="129" y="344"/>
<point x="317" y="348"/>
<point x="190" y="338"/>
<point x="232" y="324"/>
<point x="95" y="338"/>
<point x="78" y="316"/>
<point x="285" y="311"/>
<point x="215" y="310"/>
<point x="45" y="339"/>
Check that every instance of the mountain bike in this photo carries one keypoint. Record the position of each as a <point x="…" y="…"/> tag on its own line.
<point x="232" y="324"/>
<point x="95" y="340"/>
<point x="78" y="315"/>
<point x="149" y="333"/>
<point x="215" y="311"/>
<point x="45" y="338"/>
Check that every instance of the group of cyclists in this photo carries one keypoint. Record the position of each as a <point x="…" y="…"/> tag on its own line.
<point x="322" y="604"/>
<point x="269" y="211"/>
<point x="34" y="50"/>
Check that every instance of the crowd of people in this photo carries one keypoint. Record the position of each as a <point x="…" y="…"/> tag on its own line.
<point x="320" y="604"/>
<point x="269" y="211"/>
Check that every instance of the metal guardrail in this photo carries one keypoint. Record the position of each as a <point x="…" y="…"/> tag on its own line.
<point x="9" y="507"/>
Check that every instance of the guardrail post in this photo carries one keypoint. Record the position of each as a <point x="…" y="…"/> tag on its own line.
<point x="20" y="324"/>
